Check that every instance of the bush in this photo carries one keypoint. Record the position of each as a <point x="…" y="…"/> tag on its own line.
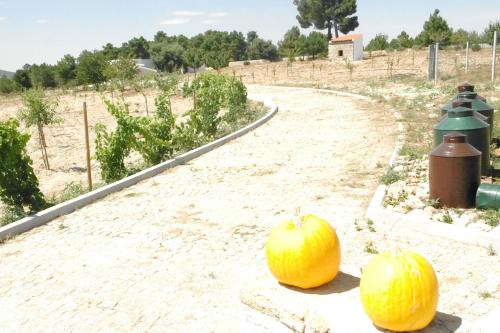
<point x="18" y="182"/>
<point x="8" y="86"/>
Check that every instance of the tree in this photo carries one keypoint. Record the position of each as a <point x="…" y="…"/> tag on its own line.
<point x="110" y="52"/>
<point x="90" y="68"/>
<point x="289" y="41"/>
<point x="262" y="49"/>
<point x="328" y="14"/>
<point x="22" y="77"/>
<point x="379" y="42"/>
<point x="40" y="111"/>
<point x="137" y="48"/>
<point x="8" y="85"/>
<point x="402" y="41"/>
<point x="316" y="45"/>
<point x="160" y="36"/>
<point x="121" y="71"/>
<point x="66" y="70"/>
<point x="251" y="36"/>
<point x="42" y="76"/>
<point x="167" y="56"/>
<point x="436" y="30"/>
<point x="487" y="36"/>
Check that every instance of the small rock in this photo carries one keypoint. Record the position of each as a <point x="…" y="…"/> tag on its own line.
<point x="438" y="217"/>
<point x="463" y="220"/>
<point x="490" y="286"/>
<point x="415" y="203"/>
<point x="430" y="211"/>
<point x="396" y="188"/>
<point x="479" y="226"/>
<point x="419" y="214"/>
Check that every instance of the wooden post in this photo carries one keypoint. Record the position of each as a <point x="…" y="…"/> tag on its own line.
<point x="87" y="145"/>
<point x="436" y="64"/>
<point x="467" y="58"/>
<point x="493" y="66"/>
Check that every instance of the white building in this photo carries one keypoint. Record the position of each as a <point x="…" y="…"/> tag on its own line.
<point x="348" y="47"/>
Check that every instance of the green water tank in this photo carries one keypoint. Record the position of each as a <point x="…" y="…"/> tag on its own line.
<point x="463" y="120"/>
<point x="477" y="105"/>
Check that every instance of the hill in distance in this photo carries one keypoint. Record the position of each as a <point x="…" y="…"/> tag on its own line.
<point x="6" y="73"/>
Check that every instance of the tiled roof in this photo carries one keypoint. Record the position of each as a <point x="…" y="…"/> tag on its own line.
<point x="347" y="38"/>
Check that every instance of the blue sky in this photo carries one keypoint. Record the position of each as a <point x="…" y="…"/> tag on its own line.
<point x="43" y="31"/>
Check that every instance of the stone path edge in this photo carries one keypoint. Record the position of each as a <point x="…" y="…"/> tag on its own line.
<point x="65" y="208"/>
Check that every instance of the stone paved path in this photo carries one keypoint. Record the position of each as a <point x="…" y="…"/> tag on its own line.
<point x="172" y="254"/>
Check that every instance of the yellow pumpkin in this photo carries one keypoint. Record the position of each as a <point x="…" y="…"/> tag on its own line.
<point x="303" y="253"/>
<point x="399" y="291"/>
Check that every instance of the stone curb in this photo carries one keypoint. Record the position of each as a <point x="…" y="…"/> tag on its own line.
<point x="67" y="207"/>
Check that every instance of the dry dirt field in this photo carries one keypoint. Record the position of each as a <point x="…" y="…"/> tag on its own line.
<point x="66" y="141"/>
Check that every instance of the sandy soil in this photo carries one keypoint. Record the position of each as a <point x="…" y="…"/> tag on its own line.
<point x="66" y="141"/>
<point x="172" y="253"/>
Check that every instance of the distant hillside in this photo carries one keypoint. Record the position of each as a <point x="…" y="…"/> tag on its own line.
<point x="5" y="73"/>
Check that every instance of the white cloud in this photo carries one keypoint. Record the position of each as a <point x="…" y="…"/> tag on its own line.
<point x="218" y="14"/>
<point x="188" y="13"/>
<point x="42" y="21"/>
<point x="175" y="21"/>
<point x="210" y="21"/>
<point x="2" y="18"/>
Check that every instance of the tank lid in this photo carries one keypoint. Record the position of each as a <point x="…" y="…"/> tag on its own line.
<point x="455" y="137"/>
<point x="465" y="102"/>
<point x="468" y="94"/>
<point x="465" y="87"/>
<point x="455" y="145"/>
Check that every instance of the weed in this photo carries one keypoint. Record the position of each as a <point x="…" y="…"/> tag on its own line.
<point x="370" y="248"/>
<point x="379" y="165"/>
<point x="491" y="217"/>
<point x="356" y="224"/>
<point x="435" y="203"/>
<point x="484" y="294"/>
<point x="447" y="218"/>
<point x="369" y="223"/>
<point x="390" y="177"/>
<point x="71" y="190"/>
<point x="62" y="226"/>
<point x="491" y="251"/>
<point x="389" y="200"/>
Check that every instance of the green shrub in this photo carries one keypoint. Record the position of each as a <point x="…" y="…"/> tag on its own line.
<point x="18" y="182"/>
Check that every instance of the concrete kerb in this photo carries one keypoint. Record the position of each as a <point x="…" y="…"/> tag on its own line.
<point x="67" y="207"/>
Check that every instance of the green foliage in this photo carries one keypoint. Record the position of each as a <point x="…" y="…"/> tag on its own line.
<point x="42" y="76"/>
<point x="491" y="217"/>
<point x="22" y="78"/>
<point x="91" y="67"/>
<point x="167" y="56"/>
<point x="436" y="30"/>
<point x="8" y="86"/>
<point x="66" y="70"/>
<point x="289" y="41"/>
<point x="158" y="138"/>
<point x="121" y="71"/>
<point x="18" y="182"/>
<point x="379" y="42"/>
<point x="38" y="109"/>
<point x="112" y="148"/>
<point x="326" y="14"/>
<point x="402" y="41"/>
<point x="487" y="36"/>
<point x="136" y="48"/>
<point x="391" y="177"/>
<point x="316" y="45"/>
<point x="262" y="49"/>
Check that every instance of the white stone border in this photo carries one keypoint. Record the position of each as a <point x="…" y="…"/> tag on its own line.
<point x="67" y="207"/>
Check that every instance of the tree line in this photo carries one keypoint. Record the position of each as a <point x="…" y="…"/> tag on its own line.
<point x="169" y="54"/>
<point x="435" y="30"/>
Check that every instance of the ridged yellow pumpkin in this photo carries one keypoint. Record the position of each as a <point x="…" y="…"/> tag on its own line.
<point x="399" y="291"/>
<point x="303" y="253"/>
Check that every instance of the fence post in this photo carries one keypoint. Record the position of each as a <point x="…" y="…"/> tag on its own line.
<point x="432" y="59"/>
<point x="87" y="145"/>
<point x="467" y="57"/>
<point x="436" y="64"/>
<point x="493" y="66"/>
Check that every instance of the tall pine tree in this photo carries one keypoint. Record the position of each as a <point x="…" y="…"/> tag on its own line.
<point x="328" y="14"/>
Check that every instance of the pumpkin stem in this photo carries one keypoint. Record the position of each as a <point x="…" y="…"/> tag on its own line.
<point x="296" y="218"/>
